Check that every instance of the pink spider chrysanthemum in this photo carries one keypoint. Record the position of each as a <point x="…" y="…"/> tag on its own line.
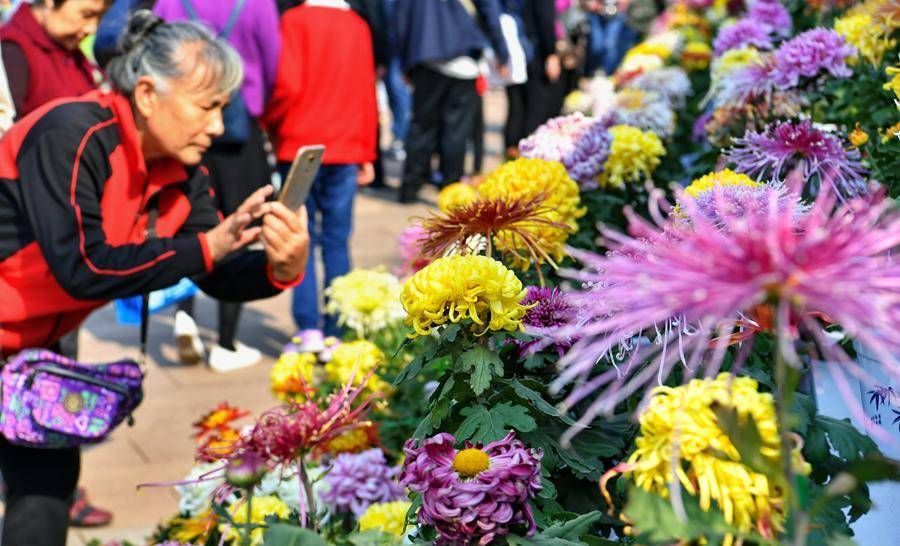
<point x="673" y="295"/>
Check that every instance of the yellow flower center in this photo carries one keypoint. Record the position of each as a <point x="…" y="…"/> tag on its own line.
<point x="470" y="462"/>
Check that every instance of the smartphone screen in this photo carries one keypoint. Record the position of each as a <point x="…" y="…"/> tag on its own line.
<point x="300" y="178"/>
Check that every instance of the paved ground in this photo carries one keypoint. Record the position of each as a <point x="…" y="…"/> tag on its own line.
<point x="159" y="447"/>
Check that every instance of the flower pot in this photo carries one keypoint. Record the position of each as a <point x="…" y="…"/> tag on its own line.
<point x="881" y="405"/>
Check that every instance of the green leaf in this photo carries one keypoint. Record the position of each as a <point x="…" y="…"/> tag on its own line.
<point x="411" y="370"/>
<point x="542" y="405"/>
<point x="841" y="540"/>
<point x="745" y="437"/>
<point x="655" y="520"/>
<point x="875" y="468"/>
<point x="487" y="425"/>
<point x="483" y="364"/>
<point x="373" y="537"/>
<point x="281" y="534"/>
<point x="574" y="528"/>
<point x="450" y="332"/>
<point x="850" y="444"/>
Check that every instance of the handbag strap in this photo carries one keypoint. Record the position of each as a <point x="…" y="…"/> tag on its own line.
<point x="152" y="216"/>
<point x="232" y="19"/>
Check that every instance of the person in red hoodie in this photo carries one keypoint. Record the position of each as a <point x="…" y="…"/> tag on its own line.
<point x="325" y="94"/>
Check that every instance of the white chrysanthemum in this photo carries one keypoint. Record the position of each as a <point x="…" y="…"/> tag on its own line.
<point x="194" y="497"/>
<point x="603" y="95"/>
<point x="365" y="300"/>
<point x="646" y="111"/>
<point x="671" y="83"/>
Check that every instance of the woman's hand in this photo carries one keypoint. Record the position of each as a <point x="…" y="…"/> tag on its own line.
<point x="285" y="238"/>
<point x="232" y="233"/>
<point x="366" y="174"/>
<point x="552" y="67"/>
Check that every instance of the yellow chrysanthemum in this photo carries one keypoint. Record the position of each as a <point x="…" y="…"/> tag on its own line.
<point x="640" y="62"/>
<point x="194" y="530"/>
<point x="292" y="376"/>
<point x="857" y="136"/>
<point x="388" y="517"/>
<point x="708" y="464"/>
<point x="696" y="55"/>
<point x="633" y="154"/>
<point x="262" y="508"/>
<point x="529" y="178"/>
<point x="457" y="288"/>
<point x="362" y="356"/>
<point x="365" y="300"/>
<point x="868" y="35"/>
<point x="455" y="195"/>
<point x="894" y="83"/>
<point x="352" y="441"/>
<point x="731" y="60"/>
<point x="649" y="47"/>
<point x="719" y="179"/>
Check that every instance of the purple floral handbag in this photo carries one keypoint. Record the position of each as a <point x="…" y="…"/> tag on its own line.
<point x="50" y="401"/>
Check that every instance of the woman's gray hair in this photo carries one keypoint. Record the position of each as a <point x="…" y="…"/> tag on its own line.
<point x="154" y="48"/>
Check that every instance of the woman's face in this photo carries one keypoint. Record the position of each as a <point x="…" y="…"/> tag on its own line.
<point x="71" y="22"/>
<point x="182" y="120"/>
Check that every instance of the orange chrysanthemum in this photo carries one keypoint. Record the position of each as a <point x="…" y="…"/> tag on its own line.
<point x="219" y="418"/>
<point x="467" y="227"/>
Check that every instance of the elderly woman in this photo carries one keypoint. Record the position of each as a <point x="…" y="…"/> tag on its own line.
<point x="40" y="50"/>
<point x="102" y="197"/>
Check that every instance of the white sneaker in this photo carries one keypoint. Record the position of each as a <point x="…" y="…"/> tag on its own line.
<point x="225" y="360"/>
<point x="187" y="335"/>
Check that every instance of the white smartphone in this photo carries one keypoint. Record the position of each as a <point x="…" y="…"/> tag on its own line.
<point x="300" y="178"/>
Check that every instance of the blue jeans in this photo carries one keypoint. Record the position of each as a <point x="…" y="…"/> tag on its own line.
<point x="330" y="209"/>
<point x="609" y="39"/>
<point x="399" y="99"/>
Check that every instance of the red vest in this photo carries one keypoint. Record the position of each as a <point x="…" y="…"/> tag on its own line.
<point x="53" y="71"/>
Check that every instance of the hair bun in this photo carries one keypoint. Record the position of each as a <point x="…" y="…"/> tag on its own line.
<point x="141" y="23"/>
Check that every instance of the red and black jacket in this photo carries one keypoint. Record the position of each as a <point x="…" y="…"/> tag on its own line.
<point x="74" y="199"/>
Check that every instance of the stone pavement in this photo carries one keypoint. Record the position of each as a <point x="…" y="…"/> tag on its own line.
<point x="159" y="448"/>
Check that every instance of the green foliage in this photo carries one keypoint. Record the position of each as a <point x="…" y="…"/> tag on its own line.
<point x="280" y="534"/>
<point x="483" y="424"/>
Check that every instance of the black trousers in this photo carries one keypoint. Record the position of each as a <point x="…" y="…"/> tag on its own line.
<point x="516" y="99"/>
<point x="40" y="487"/>
<point x="544" y="99"/>
<point x="443" y="115"/>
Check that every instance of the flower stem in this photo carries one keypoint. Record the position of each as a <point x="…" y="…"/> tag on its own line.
<point x="249" y="523"/>
<point x="786" y="382"/>
<point x="310" y="499"/>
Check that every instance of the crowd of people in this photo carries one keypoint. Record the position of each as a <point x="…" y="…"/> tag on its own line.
<point x="141" y="139"/>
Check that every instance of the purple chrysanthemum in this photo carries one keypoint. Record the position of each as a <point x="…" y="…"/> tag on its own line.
<point x="724" y="204"/>
<point x="662" y="300"/>
<point x="745" y="32"/>
<point x="753" y="82"/>
<point x="772" y="14"/>
<point x="818" y="157"/>
<point x="698" y="132"/>
<point x="476" y="494"/>
<point x="809" y="53"/>
<point x="549" y="309"/>
<point x="358" y="480"/>
<point x="580" y="143"/>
